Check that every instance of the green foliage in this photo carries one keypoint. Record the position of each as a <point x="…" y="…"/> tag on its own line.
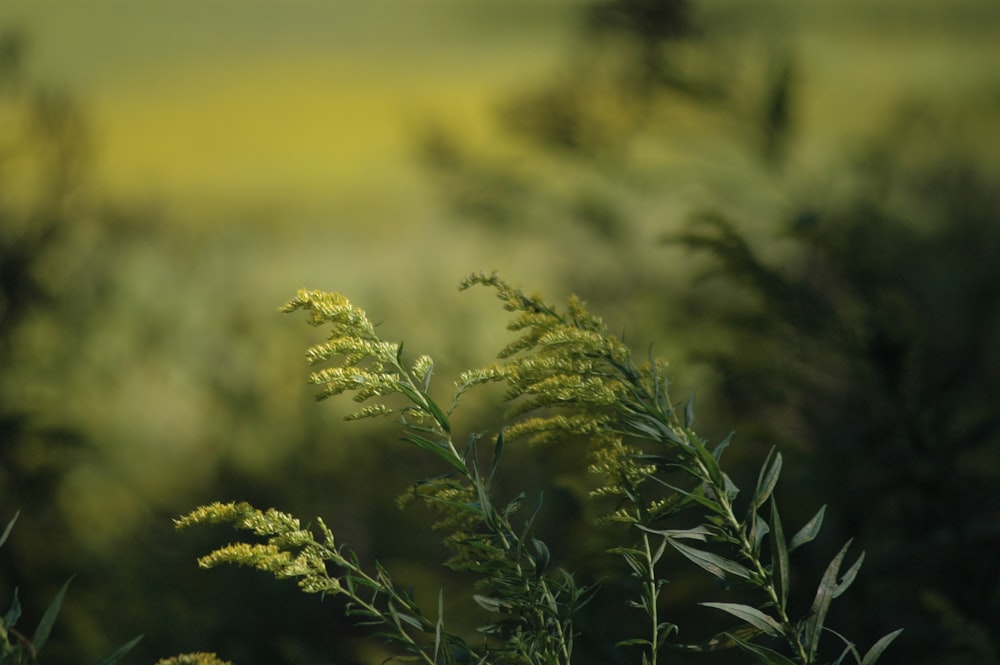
<point x="566" y="377"/>
<point x="881" y="319"/>
<point x="16" y="648"/>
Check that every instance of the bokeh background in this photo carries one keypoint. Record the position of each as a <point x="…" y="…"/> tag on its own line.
<point x="796" y="203"/>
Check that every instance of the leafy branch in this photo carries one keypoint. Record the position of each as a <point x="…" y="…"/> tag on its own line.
<point x="565" y="375"/>
<point x="535" y="606"/>
<point x="567" y="362"/>
<point x="18" y="649"/>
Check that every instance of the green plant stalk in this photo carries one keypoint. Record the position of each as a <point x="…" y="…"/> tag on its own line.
<point x="333" y="555"/>
<point x="560" y="363"/>
<point x="427" y="404"/>
<point x="652" y="589"/>
<point x="746" y="549"/>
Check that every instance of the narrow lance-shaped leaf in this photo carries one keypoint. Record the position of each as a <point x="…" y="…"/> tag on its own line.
<point x="696" y="495"/>
<point x="751" y="615"/>
<point x="438" y="414"/>
<point x="497" y="451"/>
<point x="873" y="654"/>
<point x="732" y="491"/>
<point x="489" y="604"/>
<point x="41" y="635"/>
<point x="118" y="653"/>
<point x="849" y="650"/>
<point x="707" y="459"/>
<point x="10" y="525"/>
<point x="779" y="556"/>
<point x="689" y="412"/>
<point x="813" y="627"/>
<point x="13" y="612"/>
<point x="759" y="529"/>
<point x="719" y="566"/>
<point x="721" y="447"/>
<point x="766" y="480"/>
<point x="426" y="382"/>
<point x="541" y="556"/>
<point x="438" y="449"/>
<point x="400" y="618"/>
<point x="701" y="533"/>
<point x="764" y="655"/>
<point x="848" y="578"/>
<point x="807" y="533"/>
<point x="439" y="626"/>
<point x="720" y="641"/>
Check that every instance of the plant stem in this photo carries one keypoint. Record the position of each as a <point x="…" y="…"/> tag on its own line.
<point x="746" y="549"/>
<point x="653" y="593"/>
<point x="335" y="556"/>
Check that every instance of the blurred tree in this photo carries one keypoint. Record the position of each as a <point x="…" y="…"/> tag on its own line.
<point x="654" y="104"/>
<point x="89" y="309"/>
<point x="41" y="146"/>
<point x="862" y="333"/>
<point x="876" y="349"/>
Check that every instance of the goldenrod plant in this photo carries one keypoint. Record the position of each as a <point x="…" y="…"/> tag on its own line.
<point x="16" y="648"/>
<point x="565" y="377"/>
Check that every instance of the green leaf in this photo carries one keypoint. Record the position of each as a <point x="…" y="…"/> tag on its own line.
<point x="439" y="626"/>
<point x="713" y="563"/>
<point x="813" y="627"/>
<point x="766" y="480"/>
<point x="779" y="556"/>
<point x="426" y="382"/>
<point x="760" y="529"/>
<point x="438" y="449"/>
<point x="764" y="655"/>
<point x="848" y="578"/>
<point x="497" y="451"/>
<point x="13" y="612"/>
<point x="732" y="491"/>
<point x="880" y="646"/>
<point x="751" y="615"/>
<point x="707" y="459"/>
<point x="117" y="654"/>
<point x="653" y="428"/>
<point x="689" y="412"/>
<point x="701" y="533"/>
<point x="807" y="533"/>
<point x="658" y="554"/>
<point x="632" y="558"/>
<point x="695" y="495"/>
<point x="10" y="525"/>
<point x="438" y="414"/>
<point x="664" y="631"/>
<point x="541" y="557"/>
<point x="719" y="449"/>
<point x="490" y="604"/>
<point x="848" y="649"/>
<point x="400" y="618"/>
<point x="41" y="635"/>
<point x="720" y="641"/>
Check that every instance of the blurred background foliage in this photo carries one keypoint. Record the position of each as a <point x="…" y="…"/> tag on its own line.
<point x="797" y="203"/>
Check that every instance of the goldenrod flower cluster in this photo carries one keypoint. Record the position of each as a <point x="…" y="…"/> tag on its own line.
<point x="575" y="377"/>
<point x="290" y="550"/>
<point x="368" y="366"/>
<point x="197" y="658"/>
